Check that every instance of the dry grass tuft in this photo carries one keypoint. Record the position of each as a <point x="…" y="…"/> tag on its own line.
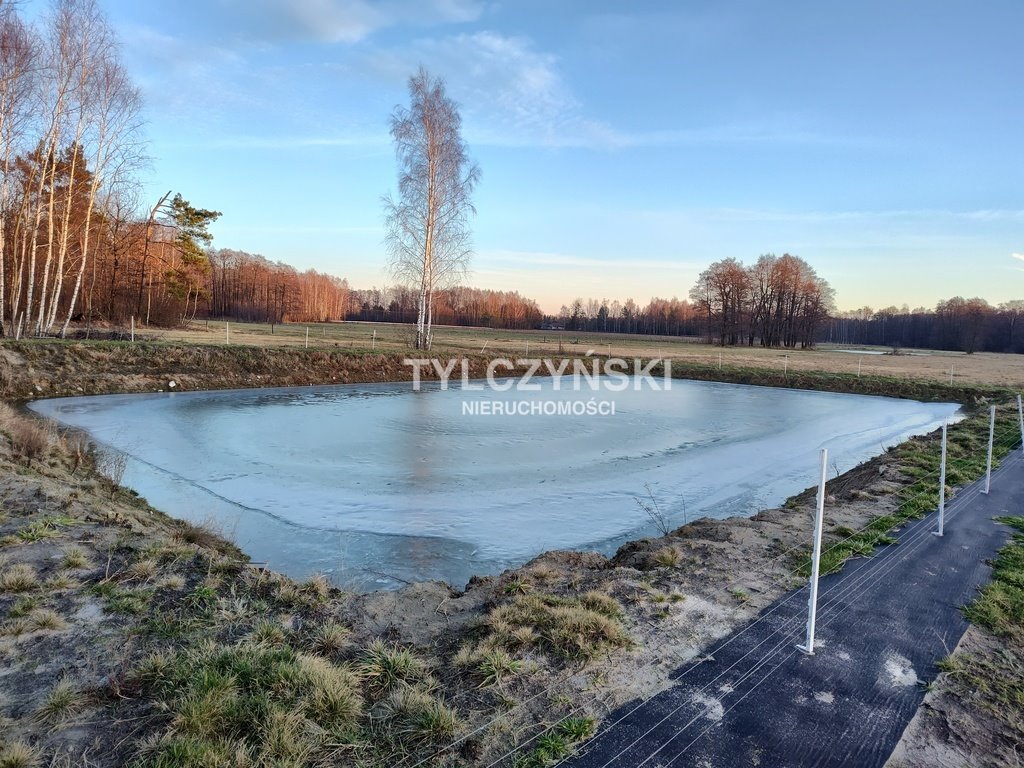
<point x="384" y="667"/>
<point x="575" y="628"/>
<point x="200" y="534"/>
<point x="416" y="718"/>
<point x="30" y="439"/>
<point x="75" y="558"/>
<point x="142" y="570"/>
<point x="318" y="587"/>
<point x="268" y="632"/>
<point x="18" y="754"/>
<point x="173" y="582"/>
<point x="667" y="557"/>
<point x="46" y="618"/>
<point x="329" y="638"/>
<point x="61" y="703"/>
<point x="61" y="580"/>
<point x="496" y="666"/>
<point x="18" y="578"/>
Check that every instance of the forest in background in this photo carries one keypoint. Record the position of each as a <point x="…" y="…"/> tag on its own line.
<point x="79" y="245"/>
<point x="77" y="241"/>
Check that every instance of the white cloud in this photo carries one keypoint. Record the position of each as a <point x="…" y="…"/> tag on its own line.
<point x="511" y="93"/>
<point x="514" y="94"/>
<point x="343" y="21"/>
<point x="1018" y="256"/>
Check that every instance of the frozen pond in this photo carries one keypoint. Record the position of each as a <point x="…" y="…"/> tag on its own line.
<point x="378" y="483"/>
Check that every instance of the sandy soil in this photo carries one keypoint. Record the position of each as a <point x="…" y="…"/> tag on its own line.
<point x="951" y="729"/>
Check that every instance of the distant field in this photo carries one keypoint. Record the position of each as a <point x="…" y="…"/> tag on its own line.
<point x="981" y="368"/>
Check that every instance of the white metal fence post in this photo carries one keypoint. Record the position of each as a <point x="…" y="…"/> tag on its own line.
<point x="991" y="437"/>
<point x="1020" y="418"/>
<point x="819" y="517"/>
<point x="373" y="341"/>
<point x="942" y="485"/>
<point x="307" y="337"/>
<point x="227" y="332"/>
<point x="133" y="341"/>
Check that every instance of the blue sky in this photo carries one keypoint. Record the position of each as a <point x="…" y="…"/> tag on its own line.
<point x="624" y="146"/>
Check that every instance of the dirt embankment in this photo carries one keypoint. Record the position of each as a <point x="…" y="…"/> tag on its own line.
<point x="46" y="368"/>
<point x="35" y="369"/>
<point x="127" y="636"/>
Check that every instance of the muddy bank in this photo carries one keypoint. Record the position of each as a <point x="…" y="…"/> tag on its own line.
<point x="37" y="369"/>
<point x="47" y="368"/>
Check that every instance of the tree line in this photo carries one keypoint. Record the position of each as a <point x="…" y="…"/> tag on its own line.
<point x="663" y="317"/>
<point x="460" y="305"/>
<point x="967" y="325"/>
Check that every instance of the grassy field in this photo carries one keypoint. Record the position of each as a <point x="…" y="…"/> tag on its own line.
<point x="980" y="368"/>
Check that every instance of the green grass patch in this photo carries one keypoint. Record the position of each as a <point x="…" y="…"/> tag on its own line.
<point x="117" y="599"/>
<point x="274" y="704"/>
<point x="919" y="459"/>
<point x="557" y="744"/>
<point x="993" y="681"/>
<point x="999" y="607"/>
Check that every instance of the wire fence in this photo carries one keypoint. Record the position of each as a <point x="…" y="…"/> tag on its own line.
<point x="771" y="651"/>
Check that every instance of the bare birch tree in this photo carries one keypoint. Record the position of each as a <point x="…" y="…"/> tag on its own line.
<point x="115" y="150"/>
<point x="18" y="50"/>
<point x="427" y="227"/>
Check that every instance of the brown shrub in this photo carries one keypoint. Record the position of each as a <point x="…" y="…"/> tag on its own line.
<point x="29" y="438"/>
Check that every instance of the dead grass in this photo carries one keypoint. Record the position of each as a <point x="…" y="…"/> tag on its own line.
<point x="414" y="718"/>
<point x="200" y="534"/>
<point x="61" y="703"/>
<point x="385" y="667"/>
<point x="568" y="627"/>
<point x="18" y="754"/>
<point x="29" y="438"/>
<point x="329" y="638"/>
<point x="18" y="578"/>
<point x="985" y="368"/>
<point x="75" y="558"/>
<point x="271" y="704"/>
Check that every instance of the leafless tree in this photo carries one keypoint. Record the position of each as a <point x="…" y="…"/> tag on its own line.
<point x="18" y="52"/>
<point x="116" y="149"/>
<point x="428" y="234"/>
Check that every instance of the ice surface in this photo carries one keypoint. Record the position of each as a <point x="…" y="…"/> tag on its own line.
<point x="377" y="483"/>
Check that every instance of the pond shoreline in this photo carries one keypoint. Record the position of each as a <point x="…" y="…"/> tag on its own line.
<point x="33" y="369"/>
<point x="664" y="599"/>
<point x="359" y="480"/>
